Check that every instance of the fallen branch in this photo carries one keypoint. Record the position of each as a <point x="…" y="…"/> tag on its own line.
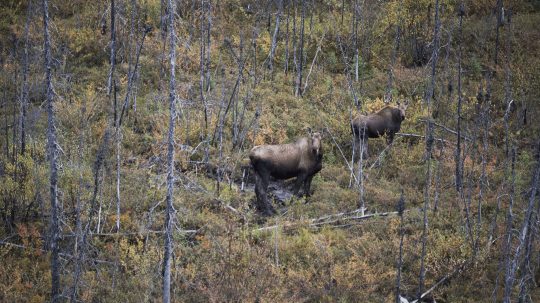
<point x="423" y="137"/>
<point x="443" y="280"/>
<point x="446" y="129"/>
<point x="127" y="234"/>
<point x="379" y="158"/>
<point x="341" y="218"/>
<point x="314" y="59"/>
<point x="351" y="169"/>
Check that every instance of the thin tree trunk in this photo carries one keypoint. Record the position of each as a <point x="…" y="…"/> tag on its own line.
<point x="388" y="95"/>
<point x="112" y="59"/>
<point x="459" y="171"/>
<point x="298" y="90"/>
<point x="287" y="42"/>
<point x="118" y="140"/>
<point x="208" y="36"/>
<point x="24" y="89"/>
<point x="499" y="23"/>
<point x="400" y="209"/>
<point x="170" y="159"/>
<point x="81" y="253"/>
<point x="355" y="39"/>
<point x="342" y="10"/>
<point x="275" y="37"/>
<point x="78" y="223"/>
<point x="294" y="42"/>
<point x="429" y="146"/>
<point x="53" y="158"/>
<point x="202" y="71"/>
<point x="508" y="276"/>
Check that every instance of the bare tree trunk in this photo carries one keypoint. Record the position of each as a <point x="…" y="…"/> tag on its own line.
<point x="275" y="37"/>
<point x="429" y="146"/>
<point x="459" y="170"/>
<point x="360" y="179"/>
<point x="400" y="209"/>
<point x="287" y="41"/>
<point x="24" y="89"/>
<point x="112" y="59"/>
<point x="118" y="139"/>
<point x="527" y="274"/>
<point x="355" y="39"/>
<point x="81" y="252"/>
<point x="208" y="29"/>
<point x="298" y="89"/>
<point x="202" y="67"/>
<point x="500" y="20"/>
<point x="508" y="276"/>
<point x="53" y="158"/>
<point x="170" y="159"/>
<point x="342" y="10"/>
<point x="294" y="42"/>
<point x="388" y="95"/>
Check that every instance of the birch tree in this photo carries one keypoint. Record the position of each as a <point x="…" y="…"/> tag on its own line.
<point x="429" y="146"/>
<point x="24" y="88"/>
<point x="170" y="159"/>
<point x="112" y="56"/>
<point x="52" y="147"/>
<point x="275" y="37"/>
<point x="459" y="170"/>
<point x="300" y="63"/>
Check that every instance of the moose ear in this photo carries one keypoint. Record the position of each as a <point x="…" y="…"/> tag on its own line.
<point x="309" y="130"/>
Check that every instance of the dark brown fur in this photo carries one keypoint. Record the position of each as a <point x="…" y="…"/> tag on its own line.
<point x="387" y="122"/>
<point x="301" y="159"/>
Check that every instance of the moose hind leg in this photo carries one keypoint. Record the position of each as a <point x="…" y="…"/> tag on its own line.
<point x="264" y="206"/>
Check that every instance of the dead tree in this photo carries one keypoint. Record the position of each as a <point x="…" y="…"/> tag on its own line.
<point x="508" y="276"/>
<point x="286" y="69"/>
<point x="389" y="84"/>
<point x="300" y="63"/>
<point x="52" y="147"/>
<point x="204" y="66"/>
<point x="499" y="23"/>
<point x="112" y="56"/>
<point x="24" y="89"/>
<point x="170" y="159"/>
<point x="459" y="168"/>
<point x="118" y="118"/>
<point x="82" y="233"/>
<point x="512" y="265"/>
<point x="399" y="265"/>
<point x="275" y="37"/>
<point x="429" y="146"/>
<point x="355" y="39"/>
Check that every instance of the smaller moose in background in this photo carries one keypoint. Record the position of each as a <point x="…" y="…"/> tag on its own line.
<point x="301" y="159"/>
<point x="386" y="121"/>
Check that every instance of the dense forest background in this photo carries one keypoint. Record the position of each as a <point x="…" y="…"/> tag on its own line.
<point x="125" y="127"/>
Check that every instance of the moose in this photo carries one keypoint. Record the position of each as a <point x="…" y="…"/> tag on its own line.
<point x="386" y="121"/>
<point x="301" y="159"/>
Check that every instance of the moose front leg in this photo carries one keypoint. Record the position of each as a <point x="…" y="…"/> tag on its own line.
<point x="307" y="186"/>
<point x="298" y="183"/>
<point x="390" y="138"/>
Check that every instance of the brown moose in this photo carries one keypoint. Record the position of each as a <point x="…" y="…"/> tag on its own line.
<point x="385" y="121"/>
<point x="301" y="159"/>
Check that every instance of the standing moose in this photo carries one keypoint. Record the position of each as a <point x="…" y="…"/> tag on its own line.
<point x="385" y="121"/>
<point x="301" y="159"/>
